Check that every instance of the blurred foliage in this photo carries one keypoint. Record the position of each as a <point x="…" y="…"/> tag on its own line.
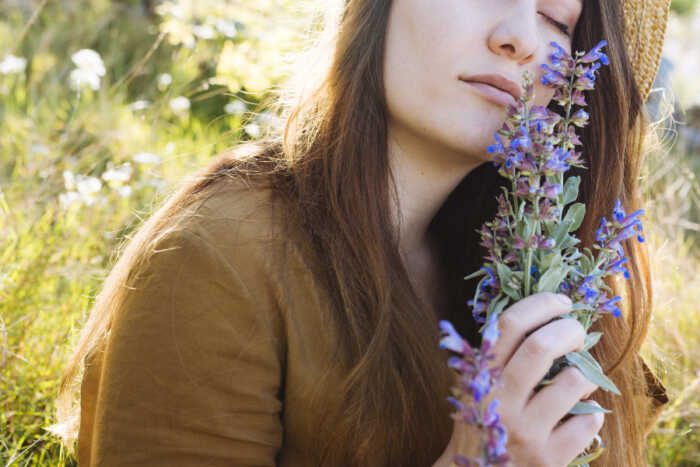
<point x="683" y="7"/>
<point x="81" y="167"/>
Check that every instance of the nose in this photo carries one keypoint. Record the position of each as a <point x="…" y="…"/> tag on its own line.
<point x="515" y="34"/>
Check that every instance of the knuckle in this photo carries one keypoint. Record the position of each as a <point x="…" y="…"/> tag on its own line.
<point x="536" y="345"/>
<point x="507" y="323"/>
<point x="551" y="298"/>
<point x="579" y="331"/>
<point x="572" y="378"/>
<point x="554" y="300"/>
<point x="594" y="422"/>
<point x="523" y="437"/>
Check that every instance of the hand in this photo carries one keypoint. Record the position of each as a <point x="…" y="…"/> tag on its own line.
<point x="535" y="436"/>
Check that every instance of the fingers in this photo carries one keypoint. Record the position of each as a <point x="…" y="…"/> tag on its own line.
<point x="551" y="403"/>
<point x="525" y="316"/>
<point x="533" y="359"/>
<point x="571" y="437"/>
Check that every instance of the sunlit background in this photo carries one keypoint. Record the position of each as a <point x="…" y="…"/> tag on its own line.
<point x="104" y="106"/>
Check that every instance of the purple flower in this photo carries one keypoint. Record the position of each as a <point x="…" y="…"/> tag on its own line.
<point x="551" y="190"/>
<point x="451" y="340"/>
<point x="608" y="307"/>
<point x="552" y="77"/>
<point x="533" y="149"/>
<point x="556" y="163"/>
<point x="578" y="98"/>
<point x="580" y="118"/>
<point x="491" y="333"/>
<point x="616" y="268"/>
<point x="560" y="55"/>
<point x="480" y="385"/>
<point x="456" y="403"/>
<point x="497" y="147"/>
<point x="618" y="212"/>
<point x="596" y="54"/>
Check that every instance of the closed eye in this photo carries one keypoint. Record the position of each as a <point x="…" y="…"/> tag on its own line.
<point x="559" y="25"/>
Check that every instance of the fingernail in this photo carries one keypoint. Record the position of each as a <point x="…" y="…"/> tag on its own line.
<point x="564" y="299"/>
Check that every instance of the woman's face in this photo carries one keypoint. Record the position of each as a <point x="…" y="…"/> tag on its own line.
<point x="433" y="44"/>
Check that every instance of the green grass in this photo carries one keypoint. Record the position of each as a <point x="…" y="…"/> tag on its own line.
<point x="53" y="258"/>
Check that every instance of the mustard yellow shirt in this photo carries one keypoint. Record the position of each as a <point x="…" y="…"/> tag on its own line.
<point x="214" y="356"/>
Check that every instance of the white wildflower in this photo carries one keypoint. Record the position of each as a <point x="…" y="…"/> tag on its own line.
<point x="12" y="64"/>
<point x="169" y="148"/>
<point x="69" y="198"/>
<point x="203" y="31"/>
<point x="89" y="60"/>
<point x="264" y="117"/>
<point x="253" y="129"/>
<point x="144" y="157"/>
<point x="79" y="77"/>
<point x="124" y="191"/>
<point x="236" y="107"/>
<point x="139" y="105"/>
<point x="164" y="80"/>
<point x="227" y="28"/>
<point x="116" y="176"/>
<point x="180" y="105"/>
<point x="87" y="188"/>
<point x="89" y="69"/>
<point x="69" y="180"/>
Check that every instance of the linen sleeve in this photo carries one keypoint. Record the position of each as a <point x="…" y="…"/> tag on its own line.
<point x="193" y="364"/>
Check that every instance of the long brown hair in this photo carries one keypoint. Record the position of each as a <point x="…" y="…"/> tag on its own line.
<point x="329" y="164"/>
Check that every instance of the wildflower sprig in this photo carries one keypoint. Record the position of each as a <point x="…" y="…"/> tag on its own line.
<point x="531" y="246"/>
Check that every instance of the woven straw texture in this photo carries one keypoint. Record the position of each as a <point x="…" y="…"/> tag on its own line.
<point x="645" y="28"/>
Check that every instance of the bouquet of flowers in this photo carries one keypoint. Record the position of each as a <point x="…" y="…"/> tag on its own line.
<point x="531" y="247"/>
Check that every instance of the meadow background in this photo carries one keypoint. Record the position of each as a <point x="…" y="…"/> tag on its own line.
<point x="105" y="105"/>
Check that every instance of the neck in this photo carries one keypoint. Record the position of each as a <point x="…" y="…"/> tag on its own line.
<point x="425" y="175"/>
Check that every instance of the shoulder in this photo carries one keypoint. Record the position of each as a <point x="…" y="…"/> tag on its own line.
<point x="242" y="222"/>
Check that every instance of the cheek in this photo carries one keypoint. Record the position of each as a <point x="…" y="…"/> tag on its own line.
<point x="543" y="95"/>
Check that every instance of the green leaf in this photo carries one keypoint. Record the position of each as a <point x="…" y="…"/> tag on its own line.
<point x="478" y="273"/>
<point x="584" y="460"/>
<point x="550" y="259"/>
<point x="521" y="211"/>
<point x="592" y="371"/>
<point x="504" y="273"/>
<point x="500" y="305"/>
<point x="586" y="407"/>
<point x="582" y="306"/>
<point x="529" y="228"/>
<point x="549" y="226"/>
<point x="511" y="292"/>
<point x="575" y="255"/>
<point x="568" y="242"/>
<point x="560" y="232"/>
<point x="571" y="189"/>
<point x="586" y="264"/>
<point x="550" y="280"/>
<point x="591" y="340"/>
<point x="574" y="216"/>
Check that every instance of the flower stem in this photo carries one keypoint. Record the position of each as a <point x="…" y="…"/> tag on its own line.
<point x="526" y="273"/>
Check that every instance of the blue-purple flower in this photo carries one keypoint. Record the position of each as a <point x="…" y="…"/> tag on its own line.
<point x="529" y="245"/>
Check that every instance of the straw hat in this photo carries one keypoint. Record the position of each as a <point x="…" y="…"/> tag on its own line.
<point x="645" y="27"/>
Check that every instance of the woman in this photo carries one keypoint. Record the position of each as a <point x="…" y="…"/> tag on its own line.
<point x="282" y="307"/>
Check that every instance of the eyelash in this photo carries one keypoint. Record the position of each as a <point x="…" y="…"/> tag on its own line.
<point x="561" y="26"/>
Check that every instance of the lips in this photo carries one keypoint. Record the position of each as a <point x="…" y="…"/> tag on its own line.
<point x="492" y="94"/>
<point x="494" y="86"/>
